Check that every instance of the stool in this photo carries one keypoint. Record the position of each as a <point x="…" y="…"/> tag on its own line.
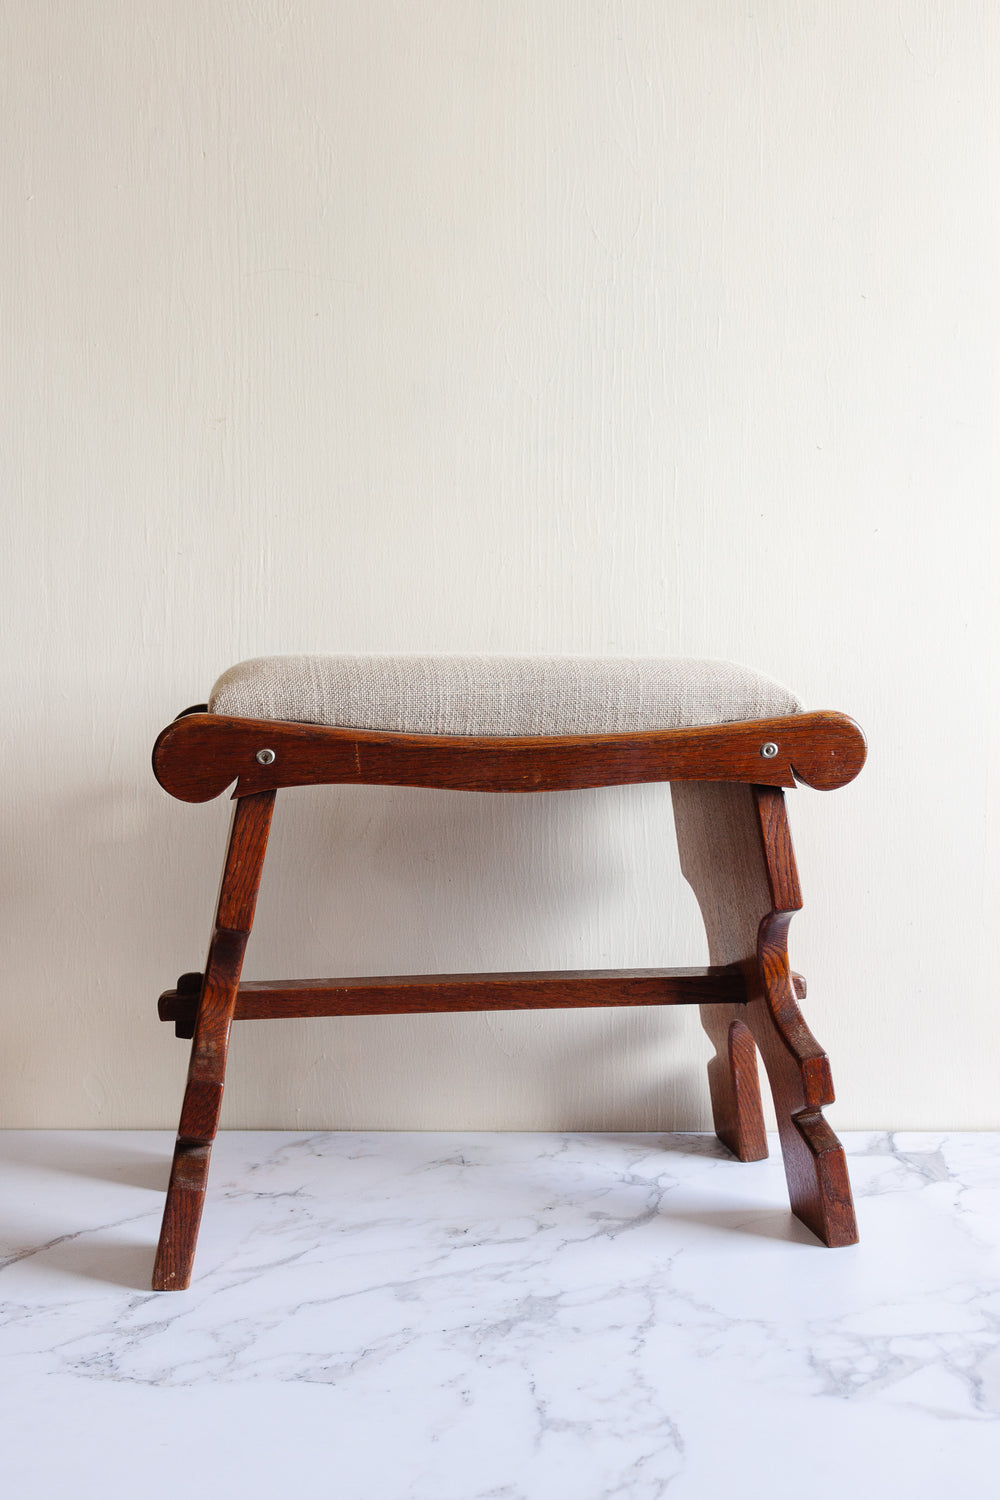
<point x="727" y="739"/>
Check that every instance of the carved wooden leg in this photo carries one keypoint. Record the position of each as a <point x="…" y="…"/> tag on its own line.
<point x="733" y="1082"/>
<point x="736" y="853"/>
<point x="207" y="1070"/>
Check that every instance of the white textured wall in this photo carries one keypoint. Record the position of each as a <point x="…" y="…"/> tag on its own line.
<point x="484" y="325"/>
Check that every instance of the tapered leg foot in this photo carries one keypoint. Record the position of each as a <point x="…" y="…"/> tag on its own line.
<point x="734" y="1085"/>
<point x="818" y="1184"/>
<point x="181" y="1217"/>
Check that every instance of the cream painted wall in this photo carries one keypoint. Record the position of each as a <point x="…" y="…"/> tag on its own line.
<point x="482" y="325"/>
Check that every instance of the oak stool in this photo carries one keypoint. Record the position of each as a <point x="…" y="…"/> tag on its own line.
<point x="727" y="739"/>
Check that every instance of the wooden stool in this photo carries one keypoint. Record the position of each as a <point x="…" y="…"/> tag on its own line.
<point x="726" y="739"/>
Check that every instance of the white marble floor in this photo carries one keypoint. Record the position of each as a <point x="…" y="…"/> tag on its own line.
<point x="519" y="1317"/>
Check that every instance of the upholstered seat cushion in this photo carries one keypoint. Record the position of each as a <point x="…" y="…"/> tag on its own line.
<point x="499" y="695"/>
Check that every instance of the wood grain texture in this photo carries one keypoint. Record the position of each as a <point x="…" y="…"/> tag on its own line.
<point x="404" y="994"/>
<point x="736" y="853"/>
<point x="212" y="1024"/>
<point x="734" y="1085"/>
<point x="198" y="756"/>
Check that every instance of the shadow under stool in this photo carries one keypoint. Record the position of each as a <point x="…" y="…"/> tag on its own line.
<point x="727" y="739"/>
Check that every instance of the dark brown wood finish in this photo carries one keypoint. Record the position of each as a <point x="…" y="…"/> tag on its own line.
<point x="200" y="755"/>
<point x="407" y="994"/>
<point x="403" y="994"/>
<point x="736" y="854"/>
<point x="213" y="1020"/>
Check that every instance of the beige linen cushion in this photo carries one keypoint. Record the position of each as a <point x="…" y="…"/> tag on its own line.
<point x="499" y="695"/>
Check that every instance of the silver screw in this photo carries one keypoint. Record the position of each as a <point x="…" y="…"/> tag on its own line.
<point x="266" y="757"/>
<point x="769" y="751"/>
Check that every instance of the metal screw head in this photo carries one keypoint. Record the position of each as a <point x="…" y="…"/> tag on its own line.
<point x="769" y="751"/>
<point x="266" y="757"/>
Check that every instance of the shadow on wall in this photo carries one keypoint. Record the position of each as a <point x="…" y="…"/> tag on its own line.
<point x="357" y="881"/>
<point x="369" y="880"/>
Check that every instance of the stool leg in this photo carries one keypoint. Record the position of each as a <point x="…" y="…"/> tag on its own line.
<point x="207" y="1069"/>
<point x="736" y="853"/>
<point x="733" y="1083"/>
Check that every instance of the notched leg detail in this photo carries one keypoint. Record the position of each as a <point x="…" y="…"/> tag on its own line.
<point x="798" y="1072"/>
<point x="200" y="1111"/>
<point x="736" y="854"/>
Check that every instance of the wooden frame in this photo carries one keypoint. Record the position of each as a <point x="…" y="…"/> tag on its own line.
<point x="200" y="754"/>
<point x="736" y="852"/>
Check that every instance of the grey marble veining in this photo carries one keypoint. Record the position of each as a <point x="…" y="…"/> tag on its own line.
<point x="498" y="1317"/>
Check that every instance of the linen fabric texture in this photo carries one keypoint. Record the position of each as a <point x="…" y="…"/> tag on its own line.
<point x="499" y="696"/>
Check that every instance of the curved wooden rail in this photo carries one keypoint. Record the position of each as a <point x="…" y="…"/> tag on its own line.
<point x="200" y="754"/>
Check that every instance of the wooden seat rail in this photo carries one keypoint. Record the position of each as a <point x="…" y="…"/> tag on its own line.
<point x="200" y="754"/>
